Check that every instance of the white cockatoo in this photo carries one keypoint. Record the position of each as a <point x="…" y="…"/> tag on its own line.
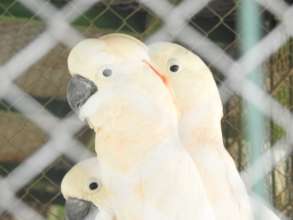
<point x="200" y="112"/>
<point x="85" y="193"/>
<point x="87" y="197"/>
<point x="127" y="102"/>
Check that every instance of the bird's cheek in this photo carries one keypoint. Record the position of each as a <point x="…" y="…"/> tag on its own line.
<point x="105" y="215"/>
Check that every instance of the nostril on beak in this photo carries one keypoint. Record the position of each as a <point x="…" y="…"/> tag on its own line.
<point x="79" y="90"/>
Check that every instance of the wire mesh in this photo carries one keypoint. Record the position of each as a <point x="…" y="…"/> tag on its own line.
<point x="40" y="138"/>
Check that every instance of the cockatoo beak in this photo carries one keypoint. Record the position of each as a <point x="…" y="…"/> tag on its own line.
<point x="79" y="90"/>
<point x="77" y="209"/>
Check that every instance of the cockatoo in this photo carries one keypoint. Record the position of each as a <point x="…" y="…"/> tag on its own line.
<point x="127" y="102"/>
<point x="88" y="198"/>
<point x="85" y="194"/>
<point x="200" y="109"/>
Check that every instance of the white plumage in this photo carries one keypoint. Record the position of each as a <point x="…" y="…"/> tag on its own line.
<point x="200" y="109"/>
<point x="133" y="114"/>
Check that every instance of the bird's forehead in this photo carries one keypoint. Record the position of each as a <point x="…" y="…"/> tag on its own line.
<point x="128" y="55"/>
<point x="87" y="47"/>
<point x="167" y="50"/>
<point x="104" y="58"/>
<point x="125" y="45"/>
<point x="92" y="54"/>
<point x="123" y="54"/>
<point x="108" y="57"/>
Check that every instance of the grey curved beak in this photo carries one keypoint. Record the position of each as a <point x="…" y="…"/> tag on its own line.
<point x="77" y="209"/>
<point x="79" y="90"/>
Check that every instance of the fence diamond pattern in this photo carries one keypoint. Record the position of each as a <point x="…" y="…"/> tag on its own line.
<point x="40" y="138"/>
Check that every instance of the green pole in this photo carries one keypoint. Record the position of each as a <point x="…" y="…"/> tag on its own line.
<point x="253" y="121"/>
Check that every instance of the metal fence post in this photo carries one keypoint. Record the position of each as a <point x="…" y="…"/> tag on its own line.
<point x="252" y="118"/>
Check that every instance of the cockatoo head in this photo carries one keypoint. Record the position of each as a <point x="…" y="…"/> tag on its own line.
<point x="114" y="66"/>
<point x="94" y="63"/>
<point x="189" y="77"/>
<point x="86" y="196"/>
<point x="122" y="96"/>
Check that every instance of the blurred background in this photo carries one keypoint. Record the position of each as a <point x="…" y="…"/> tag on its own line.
<point x="40" y="138"/>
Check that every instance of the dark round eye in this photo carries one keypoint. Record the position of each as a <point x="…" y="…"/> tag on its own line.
<point x="107" y="72"/>
<point x="174" y="68"/>
<point x="93" y="185"/>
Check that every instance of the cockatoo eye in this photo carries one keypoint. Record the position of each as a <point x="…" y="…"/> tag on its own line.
<point x="94" y="186"/>
<point x="173" y="65"/>
<point x="174" y="68"/>
<point x="107" y="72"/>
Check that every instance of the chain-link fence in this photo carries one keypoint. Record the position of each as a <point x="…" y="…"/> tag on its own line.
<point x="40" y="138"/>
